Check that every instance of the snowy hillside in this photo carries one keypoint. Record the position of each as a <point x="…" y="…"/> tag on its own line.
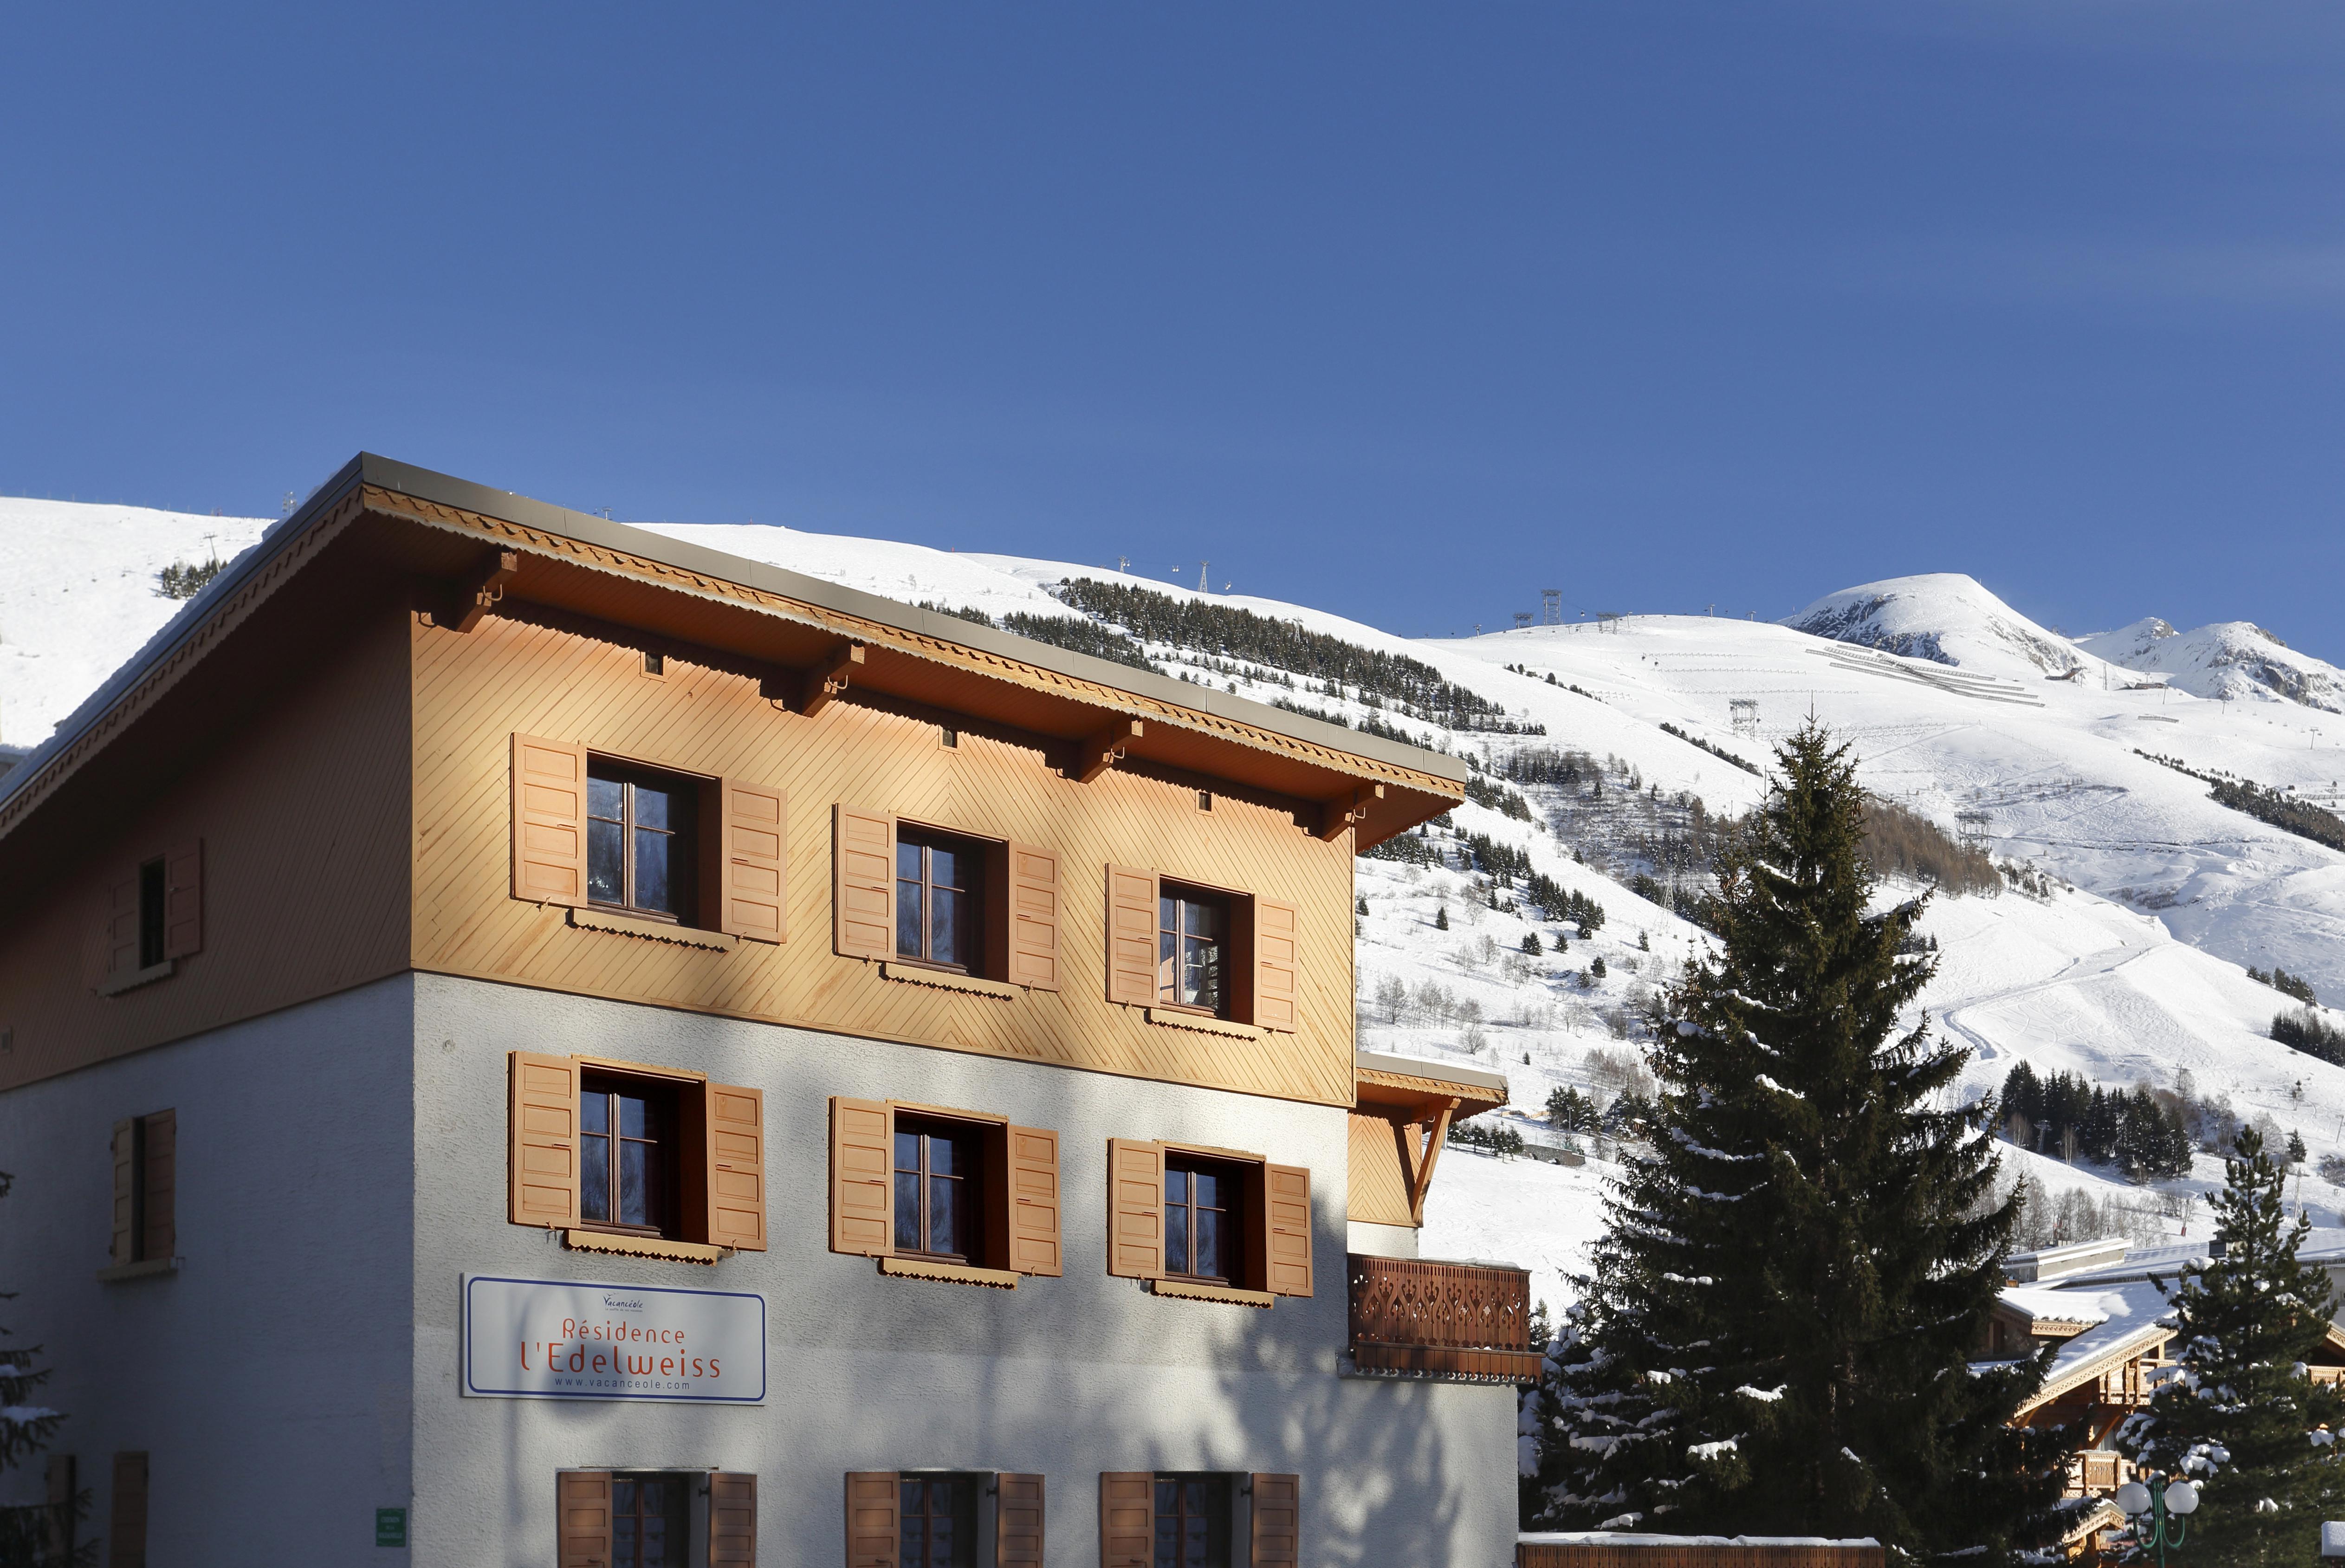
<point x="2231" y="660"/>
<point x="1608" y="754"/>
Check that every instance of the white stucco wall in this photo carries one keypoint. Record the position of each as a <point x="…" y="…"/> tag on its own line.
<point x="269" y="1378"/>
<point x="1068" y="1377"/>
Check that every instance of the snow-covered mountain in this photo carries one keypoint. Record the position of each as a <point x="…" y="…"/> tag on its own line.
<point x="2232" y="661"/>
<point x="2123" y="959"/>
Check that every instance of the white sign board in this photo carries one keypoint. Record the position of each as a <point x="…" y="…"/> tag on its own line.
<point x="565" y="1340"/>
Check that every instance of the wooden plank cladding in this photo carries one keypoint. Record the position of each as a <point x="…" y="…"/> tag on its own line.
<point x="831" y="785"/>
<point x="1601" y="1550"/>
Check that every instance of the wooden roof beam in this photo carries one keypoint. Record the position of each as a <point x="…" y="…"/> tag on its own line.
<point x="1105" y="750"/>
<point x="480" y="593"/>
<point x="828" y="678"/>
<point x="1344" y="811"/>
<point x="1423" y="1182"/>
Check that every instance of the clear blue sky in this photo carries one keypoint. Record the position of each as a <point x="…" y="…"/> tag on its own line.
<point x="1403" y="311"/>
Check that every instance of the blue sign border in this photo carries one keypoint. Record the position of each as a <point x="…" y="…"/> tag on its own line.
<point x="465" y="1330"/>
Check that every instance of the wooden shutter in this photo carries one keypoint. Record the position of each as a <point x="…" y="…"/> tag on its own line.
<point x="736" y="1167"/>
<point x="1127" y="1519"/>
<point x="542" y="1123"/>
<point x="863" y="890"/>
<point x="732" y="1520"/>
<point x="1286" y="1221"/>
<point x="183" y="898"/>
<point x="1135" y="1209"/>
<point x="122" y="926"/>
<point x="125" y="1245"/>
<point x="1018" y="1522"/>
<point x="581" y="1513"/>
<point x="1034" y="1243"/>
<point x="752" y="864"/>
<point x="549" y="821"/>
<point x="159" y="1181"/>
<point x="1033" y="917"/>
<point x="126" y="1516"/>
<point x="862" y="1165"/>
<point x="1277" y="1520"/>
<point x="1130" y="935"/>
<point x="1277" y="966"/>
<point x="875" y="1519"/>
<point x="58" y="1531"/>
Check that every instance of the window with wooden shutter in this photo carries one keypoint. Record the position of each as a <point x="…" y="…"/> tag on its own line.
<point x="752" y="881"/>
<point x="183" y="900"/>
<point x="549" y="821"/>
<point x="1277" y="965"/>
<point x="1033" y="917"/>
<point x="582" y="1510"/>
<point x="1130" y="935"/>
<point x="125" y="1533"/>
<point x="732" y="1520"/>
<point x="541" y="1162"/>
<point x="1286" y="1227"/>
<point x="159" y="1182"/>
<point x="1277" y="1520"/>
<point x="1034" y="1241"/>
<point x="862" y="1163"/>
<point x="736" y="1167"/>
<point x="1127" y="1519"/>
<point x="874" y="1519"/>
<point x="1135" y="1209"/>
<point x="863" y="891"/>
<point x="1017" y="1518"/>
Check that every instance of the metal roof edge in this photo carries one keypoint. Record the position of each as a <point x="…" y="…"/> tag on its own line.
<point x="1417" y="1068"/>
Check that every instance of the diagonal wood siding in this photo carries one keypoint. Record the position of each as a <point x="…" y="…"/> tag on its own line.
<point x="472" y="692"/>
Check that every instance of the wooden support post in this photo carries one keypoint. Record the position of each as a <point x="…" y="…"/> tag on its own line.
<point x="828" y="678"/>
<point x="1105" y="750"/>
<point x="1343" y="813"/>
<point x="1424" y="1171"/>
<point x="483" y="591"/>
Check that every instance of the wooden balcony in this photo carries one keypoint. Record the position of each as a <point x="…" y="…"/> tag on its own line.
<point x="2096" y="1473"/>
<point x="1447" y="1319"/>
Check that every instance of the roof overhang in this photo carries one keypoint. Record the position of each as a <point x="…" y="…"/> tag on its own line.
<point x="1411" y="1084"/>
<point x="378" y="520"/>
<point x="2144" y="1340"/>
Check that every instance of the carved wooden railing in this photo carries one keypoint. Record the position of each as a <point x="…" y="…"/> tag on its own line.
<point x="1457" y="1320"/>
<point x="2096" y="1472"/>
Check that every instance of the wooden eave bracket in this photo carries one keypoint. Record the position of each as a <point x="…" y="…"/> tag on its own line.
<point x="1423" y="1182"/>
<point x="1344" y="811"/>
<point x="828" y="678"/>
<point x="481" y="594"/>
<point x="1105" y="750"/>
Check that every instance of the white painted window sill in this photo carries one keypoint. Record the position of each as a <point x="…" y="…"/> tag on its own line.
<point x="655" y="929"/>
<point x="131" y="980"/>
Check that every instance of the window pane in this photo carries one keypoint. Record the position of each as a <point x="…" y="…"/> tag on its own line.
<point x="947" y="867"/>
<point x="944" y="1215"/>
<point x="1176" y="1186"/>
<point x="603" y="797"/>
<point x="908" y="866"/>
<point x="595" y="1177"/>
<point x="1168" y="959"/>
<point x="944" y="1158"/>
<point x="945" y="926"/>
<point x="635" y="1116"/>
<point x="1209" y="1245"/>
<point x="651" y="890"/>
<point x="1201" y="974"/>
<point x="1208" y="1189"/>
<point x="908" y="919"/>
<point x="605" y="848"/>
<point x="907" y="1151"/>
<point x="651" y="806"/>
<point x="907" y="1211"/>
<point x="595" y="1113"/>
<point x="634" y="1197"/>
<point x="1168" y="915"/>
<point x="1204" y="919"/>
<point x="1176" y="1239"/>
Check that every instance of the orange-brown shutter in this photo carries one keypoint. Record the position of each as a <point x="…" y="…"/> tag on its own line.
<point x="542" y="1161"/>
<point x="158" y="1173"/>
<point x="1034" y="917"/>
<point x="732" y="1520"/>
<point x="1135" y="1209"/>
<point x="1127" y="1519"/>
<point x="736" y="1167"/>
<point x="1286" y="1220"/>
<point x="1277" y="963"/>
<point x="122" y="926"/>
<point x="582" y="1511"/>
<point x="1018" y="1522"/>
<point x="754" y="902"/>
<point x="1277" y="1520"/>
<point x="127" y="1522"/>
<point x="1034" y="1243"/>
<point x="183" y="900"/>
<point x="863" y="891"/>
<point x="125" y="1246"/>
<point x="549" y="821"/>
<point x="1130" y="935"/>
<point x="862" y="1165"/>
<point x="875" y="1519"/>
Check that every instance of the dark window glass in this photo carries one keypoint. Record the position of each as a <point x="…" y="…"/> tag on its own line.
<point x="649" y="1518"/>
<point x="150" y="914"/>
<point x="938" y="895"/>
<point x="940" y="1522"/>
<point x="1200" y="1235"/>
<point x="638" y="839"/>
<point x="1192" y="949"/>
<point x="934" y="1204"/>
<point x="1193" y="1521"/>
<point x="626" y="1154"/>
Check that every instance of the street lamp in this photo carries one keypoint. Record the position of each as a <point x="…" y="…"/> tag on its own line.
<point x="2159" y="1514"/>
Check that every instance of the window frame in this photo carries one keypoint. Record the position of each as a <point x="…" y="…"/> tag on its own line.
<point x="976" y="895"/>
<point x="1183" y="895"/>
<point x="1225" y="1483"/>
<point x="1240" y="1178"/>
<point x="969" y="1139"/>
<point x="680" y="1514"/>
<point x="684" y="841"/>
<point x="670" y="1224"/>
<point x="966" y="1494"/>
<point x="154" y="905"/>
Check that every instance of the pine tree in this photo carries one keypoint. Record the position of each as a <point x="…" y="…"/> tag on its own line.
<point x="29" y="1532"/>
<point x="2240" y="1414"/>
<point x="1776" y="1337"/>
<point x="1441" y="918"/>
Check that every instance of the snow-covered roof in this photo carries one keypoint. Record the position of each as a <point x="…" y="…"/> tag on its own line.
<point x="1636" y="1538"/>
<point x="2124" y="1321"/>
<point x="2322" y="1244"/>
